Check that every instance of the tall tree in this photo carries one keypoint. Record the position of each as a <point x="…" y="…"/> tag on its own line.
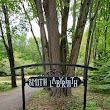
<point x="101" y="31"/>
<point x="56" y="47"/>
<point x="36" y="42"/>
<point x="84" y="9"/>
<point x="64" y="42"/>
<point x="45" y="48"/>
<point x="8" y="46"/>
<point x="53" y="37"/>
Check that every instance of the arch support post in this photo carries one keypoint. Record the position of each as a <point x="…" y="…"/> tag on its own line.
<point x="85" y="87"/>
<point x="23" y="87"/>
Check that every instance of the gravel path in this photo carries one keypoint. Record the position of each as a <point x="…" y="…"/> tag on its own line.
<point x="12" y="100"/>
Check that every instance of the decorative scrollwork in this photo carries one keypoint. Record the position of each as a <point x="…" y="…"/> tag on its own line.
<point x="54" y="72"/>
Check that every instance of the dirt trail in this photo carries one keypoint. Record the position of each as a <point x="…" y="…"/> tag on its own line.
<point x="12" y="100"/>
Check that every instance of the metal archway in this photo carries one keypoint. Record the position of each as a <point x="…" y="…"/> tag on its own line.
<point x="50" y="64"/>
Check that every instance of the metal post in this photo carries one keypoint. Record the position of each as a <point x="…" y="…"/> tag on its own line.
<point x="23" y="88"/>
<point x="85" y="88"/>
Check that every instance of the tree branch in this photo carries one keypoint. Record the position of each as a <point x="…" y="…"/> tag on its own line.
<point x="29" y="20"/>
<point x="3" y="38"/>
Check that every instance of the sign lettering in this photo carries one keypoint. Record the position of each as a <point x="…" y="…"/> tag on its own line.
<point x="54" y="82"/>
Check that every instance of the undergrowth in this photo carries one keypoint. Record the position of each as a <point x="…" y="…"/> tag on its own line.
<point x="95" y="101"/>
<point x="5" y="86"/>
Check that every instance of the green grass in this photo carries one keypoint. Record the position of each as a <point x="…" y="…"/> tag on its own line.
<point x="95" y="101"/>
<point x="8" y="78"/>
<point x="107" y="102"/>
<point x="5" y="82"/>
<point x="5" y="86"/>
<point x="41" y="99"/>
<point x="39" y="93"/>
<point x="91" y="105"/>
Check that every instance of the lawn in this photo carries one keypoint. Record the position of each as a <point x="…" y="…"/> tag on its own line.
<point x="5" y="82"/>
<point x="4" y="86"/>
<point x="8" y="78"/>
<point x="95" y="101"/>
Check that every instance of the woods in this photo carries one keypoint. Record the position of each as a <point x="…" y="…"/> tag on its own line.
<point x="84" y="39"/>
<point x="8" y="47"/>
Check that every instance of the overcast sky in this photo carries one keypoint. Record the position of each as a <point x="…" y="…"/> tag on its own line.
<point x="36" y="28"/>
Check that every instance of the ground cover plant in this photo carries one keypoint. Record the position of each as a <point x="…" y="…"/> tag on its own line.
<point x="5" y="82"/>
<point x="5" y="86"/>
<point x="95" y="101"/>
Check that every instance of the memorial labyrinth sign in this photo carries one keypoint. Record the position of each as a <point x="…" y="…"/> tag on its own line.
<point x="51" y="82"/>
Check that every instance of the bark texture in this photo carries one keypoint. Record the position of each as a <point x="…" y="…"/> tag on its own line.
<point x="57" y="44"/>
<point x="64" y="43"/>
<point x="29" y="20"/>
<point x="9" y="47"/>
<point x="53" y="39"/>
<point x="45" y="48"/>
<point x="53" y="33"/>
<point x="78" y="34"/>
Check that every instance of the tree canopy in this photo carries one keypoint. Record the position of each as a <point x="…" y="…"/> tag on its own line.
<point x="83" y="39"/>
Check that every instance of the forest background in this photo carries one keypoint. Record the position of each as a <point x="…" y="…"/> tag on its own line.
<point x="88" y="37"/>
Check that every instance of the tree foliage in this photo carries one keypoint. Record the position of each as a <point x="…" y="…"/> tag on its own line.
<point x="85" y="42"/>
<point x="101" y="47"/>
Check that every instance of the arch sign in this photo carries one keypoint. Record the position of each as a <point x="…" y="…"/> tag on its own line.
<point x="54" y="81"/>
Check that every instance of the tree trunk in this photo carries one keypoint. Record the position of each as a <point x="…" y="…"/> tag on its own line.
<point x="90" y="35"/>
<point x="74" y="20"/>
<point x="3" y="38"/>
<point x="88" y="38"/>
<point x="10" y="48"/>
<point x="95" y="48"/>
<point x="64" y="43"/>
<point x="53" y="39"/>
<point x="78" y="34"/>
<point x="45" y="48"/>
<point x="12" y="65"/>
<point x="53" y="33"/>
<point x="36" y="42"/>
<point x="105" y="38"/>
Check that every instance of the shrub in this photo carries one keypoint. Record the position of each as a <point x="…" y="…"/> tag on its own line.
<point x="102" y="76"/>
<point x="5" y="68"/>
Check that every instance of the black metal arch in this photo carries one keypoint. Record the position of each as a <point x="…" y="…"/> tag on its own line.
<point x="50" y="64"/>
<point x="60" y="64"/>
